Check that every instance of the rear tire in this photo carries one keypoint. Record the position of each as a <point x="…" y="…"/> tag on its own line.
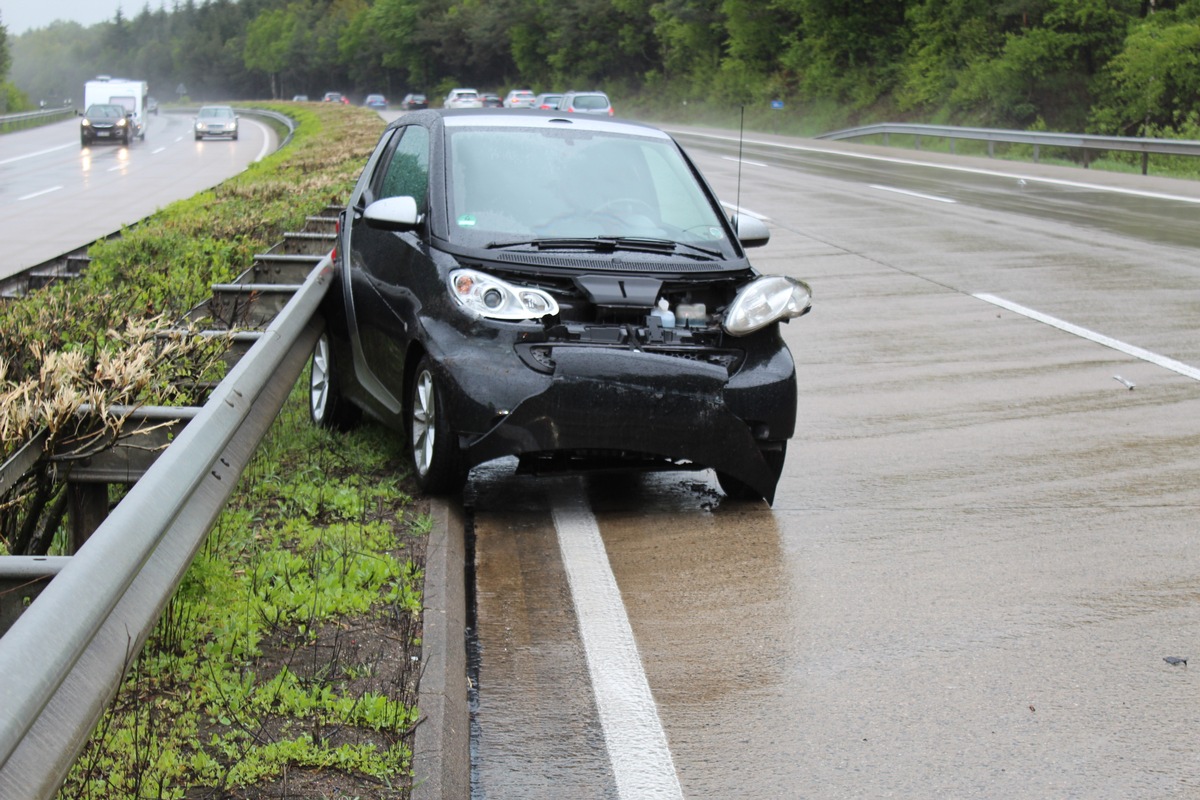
<point x="327" y="407"/>
<point x="437" y="461"/>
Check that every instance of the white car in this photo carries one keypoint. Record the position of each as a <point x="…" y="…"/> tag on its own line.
<point x="519" y="98"/>
<point x="462" y="98"/>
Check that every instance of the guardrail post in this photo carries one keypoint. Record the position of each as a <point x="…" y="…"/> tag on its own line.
<point x="1037" y="150"/>
<point x="991" y="149"/>
<point x="1086" y="158"/>
<point x="1145" y="163"/>
<point x="89" y="508"/>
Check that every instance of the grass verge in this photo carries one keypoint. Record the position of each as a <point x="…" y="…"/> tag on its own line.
<point x="286" y="664"/>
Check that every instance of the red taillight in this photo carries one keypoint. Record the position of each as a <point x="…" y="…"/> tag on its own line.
<point x="610" y="111"/>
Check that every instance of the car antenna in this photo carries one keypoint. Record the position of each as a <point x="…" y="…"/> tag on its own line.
<point x="737" y="203"/>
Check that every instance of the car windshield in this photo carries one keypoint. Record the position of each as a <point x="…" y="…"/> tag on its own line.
<point x="574" y="184"/>
<point x="105" y="111"/>
<point x="216" y="112"/>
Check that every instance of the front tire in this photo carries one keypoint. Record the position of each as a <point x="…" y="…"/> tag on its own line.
<point x="327" y="407"/>
<point x="437" y="461"/>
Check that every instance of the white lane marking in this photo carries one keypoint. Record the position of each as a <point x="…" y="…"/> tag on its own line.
<point x="157" y="151"/>
<point x="744" y="161"/>
<point x="38" y="153"/>
<point x="746" y="211"/>
<point x="1099" y="338"/>
<point x="633" y="733"/>
<point x="266" y="146"/>
<point x="920" y="195"/>
<point x="39" y="194"/>
<point x="951" y="167"/>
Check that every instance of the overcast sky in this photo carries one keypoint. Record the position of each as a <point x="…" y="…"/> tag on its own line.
<point x="19" y="16"/>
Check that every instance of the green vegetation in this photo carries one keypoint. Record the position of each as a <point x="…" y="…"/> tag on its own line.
<point x="1124" y="67"/>
<point x="96" y="340"/>
<point x="283" y="658"/>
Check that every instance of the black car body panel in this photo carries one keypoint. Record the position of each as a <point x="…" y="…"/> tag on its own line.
<point x="606" y="380"/>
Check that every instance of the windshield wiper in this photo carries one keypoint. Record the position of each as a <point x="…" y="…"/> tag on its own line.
<point x="609" y="244"/>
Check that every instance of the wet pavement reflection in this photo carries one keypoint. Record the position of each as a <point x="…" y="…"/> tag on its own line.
<point x="982" y="556"/>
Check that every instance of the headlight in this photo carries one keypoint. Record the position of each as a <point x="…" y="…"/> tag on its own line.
<point x="121" y="122"/>
<point x="199" y="126"/>
<point x="493" y="298"/>
<point x="767" y="300"/>
<point x="87" y="123"/>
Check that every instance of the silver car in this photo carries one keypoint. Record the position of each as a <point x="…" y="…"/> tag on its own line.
<point x="215" y="121"/>
<point x="586" y="103"/>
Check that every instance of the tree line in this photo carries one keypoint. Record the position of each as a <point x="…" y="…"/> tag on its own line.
<point x="1124" y="67"/>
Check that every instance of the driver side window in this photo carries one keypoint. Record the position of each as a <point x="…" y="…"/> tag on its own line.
<point x="407" y="171"/>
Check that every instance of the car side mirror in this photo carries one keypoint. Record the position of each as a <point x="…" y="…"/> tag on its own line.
<point x="393" y="214"/>
<point x="751" y="231"/>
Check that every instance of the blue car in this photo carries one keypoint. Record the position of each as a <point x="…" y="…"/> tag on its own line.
<point x="376" y="101"/>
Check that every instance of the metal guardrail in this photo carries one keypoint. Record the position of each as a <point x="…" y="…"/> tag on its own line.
<point x="1086" y="143"/>
<point x="63" y="659"/>
<point x="32" y="118"/>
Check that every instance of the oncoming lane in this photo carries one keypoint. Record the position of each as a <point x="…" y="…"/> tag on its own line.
<point x="56" y="196"/>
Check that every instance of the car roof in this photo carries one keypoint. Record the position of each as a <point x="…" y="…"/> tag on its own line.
<point x="522" y="118"/>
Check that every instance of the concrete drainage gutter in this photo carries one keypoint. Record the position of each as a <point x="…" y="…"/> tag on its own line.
<point x="442" y="750"/>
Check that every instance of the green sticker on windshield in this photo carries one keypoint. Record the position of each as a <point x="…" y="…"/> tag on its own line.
<point x="466" y="221"/>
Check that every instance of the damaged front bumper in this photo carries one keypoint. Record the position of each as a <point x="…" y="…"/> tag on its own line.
<point x="615" y="405"/>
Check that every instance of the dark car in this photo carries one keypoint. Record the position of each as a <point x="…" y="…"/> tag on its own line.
<point x="376" y="101"/>
<point x="107" y="122"/>
<point x="547" y="102"/>
<point x="490" y="100"/>
<point x="598" y="313"/>
<point x="413" y="102"/>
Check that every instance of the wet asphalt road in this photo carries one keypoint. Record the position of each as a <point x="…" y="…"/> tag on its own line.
<point x="56" y="196"/>
<point x="983" y="548"/>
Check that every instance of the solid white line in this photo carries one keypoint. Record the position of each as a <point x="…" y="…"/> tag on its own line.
<point x="912" y="194"/>
<point x="1099" y="338"/>
<point x="157" y="151"/>
<point x="637" y="744"/>
<point x="744" y="161"/>
<point x="39" y="194"/>
<point x="968" y="170"/>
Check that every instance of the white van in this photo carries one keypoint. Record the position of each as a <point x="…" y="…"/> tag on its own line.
<point x="133" y="95"/>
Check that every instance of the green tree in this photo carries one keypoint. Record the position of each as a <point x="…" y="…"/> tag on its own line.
<point x="1153" y="84"/>
<point x="1049" y="70"/>
<point x="268" y="40"/>
<point x="847" y="50"/>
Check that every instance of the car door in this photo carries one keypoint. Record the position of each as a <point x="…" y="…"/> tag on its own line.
<point x="384" y="266"/>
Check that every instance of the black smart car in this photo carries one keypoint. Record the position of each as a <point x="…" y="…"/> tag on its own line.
<point x="568" y="291"/>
